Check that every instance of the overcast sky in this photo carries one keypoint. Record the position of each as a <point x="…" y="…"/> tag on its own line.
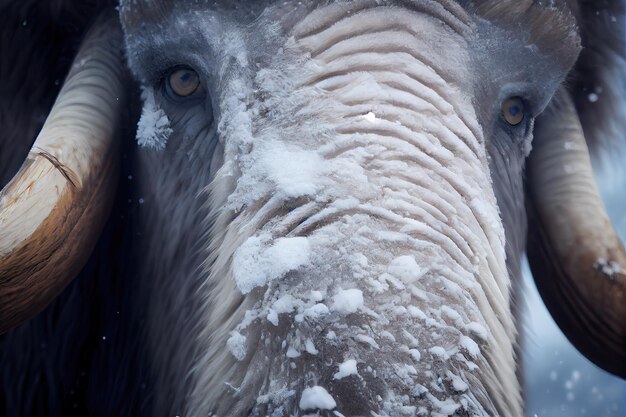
<point x="560" y="382"/>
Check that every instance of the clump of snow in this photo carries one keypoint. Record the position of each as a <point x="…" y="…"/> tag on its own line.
<point x="293" y="352"/>
<point x="285" y="304"/>
<point x="457" y="383"/>
<point x="450" y="313"/>
<point x="477" y="329"/>
<point x="439" y="352"/>
<point x="367" y="340"/>
<point x="347" y="301"/>
<point x="316" y="311"/>
<point x="370" y="117"/>
<point x="469" y="345"/>
<point x="415" y="354"/>
<point x="237" y="345"/>
<point x="609" y="268"/>
<point x="316" y="296"/>
<point x="406" y="269"/>
<point x="153" y="128"/>
<point x="416" y="313"/>
<point x="272" y="317"/>
<point x="255" y="263"/>
<point x="346" y="369"/>
<point x="294" y="173"/>
<point x="446" y="407"/>
<point x="309" y="346"/>
<point x="316" y="398"/>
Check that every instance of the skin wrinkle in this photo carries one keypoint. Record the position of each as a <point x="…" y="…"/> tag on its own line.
<point x="372" y="69"/>
<point x="435" y="140"/>
<point x="428" y="7"/>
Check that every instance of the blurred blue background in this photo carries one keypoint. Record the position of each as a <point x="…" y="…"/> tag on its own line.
<point x="560" y="382"/>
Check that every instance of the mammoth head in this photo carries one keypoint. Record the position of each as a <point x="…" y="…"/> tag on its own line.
<point x="379" y="143"/>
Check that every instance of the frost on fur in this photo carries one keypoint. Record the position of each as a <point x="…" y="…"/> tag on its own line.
<point x="153" y="128"/>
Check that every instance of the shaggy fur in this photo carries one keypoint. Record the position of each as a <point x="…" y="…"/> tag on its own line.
<point x="87" y="353"/>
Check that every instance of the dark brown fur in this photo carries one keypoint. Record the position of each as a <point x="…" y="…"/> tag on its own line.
<point x="601" y="69"/>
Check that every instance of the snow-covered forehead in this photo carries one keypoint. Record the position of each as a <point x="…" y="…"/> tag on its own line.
<point x="551" y="23"/>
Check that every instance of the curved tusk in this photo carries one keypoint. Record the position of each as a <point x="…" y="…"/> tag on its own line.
<point x="53" y="210"/>
<point x="577" y="259"/>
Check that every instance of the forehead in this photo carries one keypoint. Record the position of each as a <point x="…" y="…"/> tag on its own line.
<point x="515" y="33"/>
<point x="136" y="12"/>
<point x="550" y="25"/>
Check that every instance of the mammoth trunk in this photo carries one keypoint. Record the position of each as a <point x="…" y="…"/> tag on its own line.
<point x="363" y="230"/>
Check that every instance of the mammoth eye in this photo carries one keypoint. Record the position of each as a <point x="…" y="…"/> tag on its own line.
<point x="513" y="110"/>
<point x="183" y="82"/>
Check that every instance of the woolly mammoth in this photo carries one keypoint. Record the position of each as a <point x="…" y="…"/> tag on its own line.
<point x="326" y="211"/>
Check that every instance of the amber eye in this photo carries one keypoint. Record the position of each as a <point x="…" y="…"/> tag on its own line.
<point x="183" y="82"/>
<point x="513" y="110"/>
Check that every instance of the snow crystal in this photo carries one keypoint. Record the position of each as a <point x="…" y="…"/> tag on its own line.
<point x="406" y="269"/>
<point x="316" y="398"/>
<point x="346" y="369"/>
<point x="255" y="264"/>
<point x="153" y="128"/>
<point x="348" y="301"/>
<point x="593" y="97"/>
<point x="237" y="345"/>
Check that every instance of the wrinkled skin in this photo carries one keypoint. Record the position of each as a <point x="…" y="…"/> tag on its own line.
<point x="331" y="146"/>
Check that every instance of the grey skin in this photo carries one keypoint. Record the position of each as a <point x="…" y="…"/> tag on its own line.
<point x="152" y="339"/>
